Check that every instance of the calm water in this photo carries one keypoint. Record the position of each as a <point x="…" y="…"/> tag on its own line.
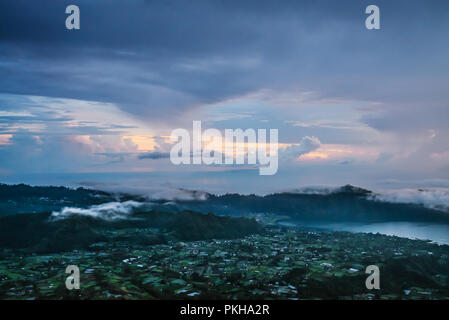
<point x="413" y="230"/>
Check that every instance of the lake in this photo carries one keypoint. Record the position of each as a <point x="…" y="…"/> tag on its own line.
<point x="438" y="233"/>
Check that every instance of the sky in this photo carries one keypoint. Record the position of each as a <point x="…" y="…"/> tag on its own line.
<point x="96" y="106"/>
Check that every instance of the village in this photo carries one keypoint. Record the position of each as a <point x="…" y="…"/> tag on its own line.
<point x="283" y="263"/>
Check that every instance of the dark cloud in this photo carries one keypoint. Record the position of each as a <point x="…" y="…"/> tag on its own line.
<point x="157" y="59"/>
<point x="154" y="155"/>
